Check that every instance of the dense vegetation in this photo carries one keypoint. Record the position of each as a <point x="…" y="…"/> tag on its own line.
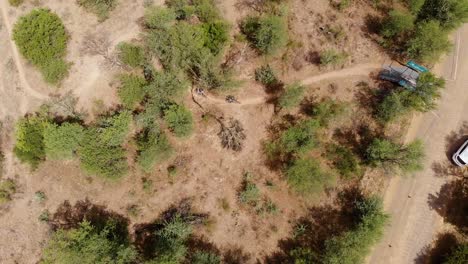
<point x="42" y="39"/>
<point x="267" y="33"/>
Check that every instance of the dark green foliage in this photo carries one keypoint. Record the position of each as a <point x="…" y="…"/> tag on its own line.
<point x="353" y="246"/>
<point x="15" y="2"/>
<point x="292" y="96"/>
<point x="181" y="8"/>
<point x="29" y="145"/>
<point x="202" y="257"/>
<point x="97" y="157"/>
<point x="267" y="33"/>
<point x="392" y="106"/>
<point x="7" y="189"/>
<point x="61" y="141"/>
<point x="100" y="150"/>
<point x="101" y="8"/>
<point x="41" y="38"/>
<point x="179" y="120"/>
<point x="459" y="255"/>
<point x="326" y="110"/>
<point x="157" y="17"/>
<point x="153" y="147"/>
<point x="167" y="84"/>
<point x="88" y="245"/>
<point x="332" y="57"/>
<point x="389" y="155"/>
<point x="398" y="23"/>
<point x="131" y="90"/>
<point x="415" y="6"/>
<point x="429" y="42"/>
<point x="306" y="177"/>
<point x="266" y="76"/>
<point x="345" y="161"/>
<point x="216" y="36"/>
<point x="130" y="54"/>
<point x="449" y="13"/>
<point x="206" y="10"/>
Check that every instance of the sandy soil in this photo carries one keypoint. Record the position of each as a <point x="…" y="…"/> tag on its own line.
<point x="414" y="224"/>
<point x="206" y="172"/>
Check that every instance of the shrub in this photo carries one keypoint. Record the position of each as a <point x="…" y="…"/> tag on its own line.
<point x="429" y="42"/>
<point x="392" y="107"/>
<point x="415" y="6"/>
<point x="266" y="33"/>
<point x="206" y="10"/>
<point x="131" y="90"/>
<point x="98" y="157"/>
<point x="397" y="23"/>
<point x="179" y="120"/>
<point x="266" y="76"/>
<point x="306" y="177"/>
<point x="60" y="142"/>
<point x="332" y="57"/>
<point x="427" y="91"/>
<point x="292" y="96"/>
<point x="167" y="84"/>
<point x="202" y="257"/>
<point x="130" y="54"/>
<point x="459" y="255"/>
<point x="387" y="154"/>
<point x="345" y="161"/>
<point x="88" y="245"/>
<point x="326" y="110"/>
<point x="101" y="8"/>
<point x="352" y="246"/>
<point x="250" y="193"/>
<point x="29" y="145"/>
<point x="7" y="189"/>
<point x="449" y="13"/>
<point x="41" y="38"/>
<point x="153" y="147"/>
<point x="216" y="36"/>
<point x="157" y="17"/>
<point x="15" y="2"/>
<point x="114" y="129"/>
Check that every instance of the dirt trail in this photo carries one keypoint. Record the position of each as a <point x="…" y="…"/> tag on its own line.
<point x="414" y="223"/>
<point x="17" y="57"/>
<point x="356" y="70"/>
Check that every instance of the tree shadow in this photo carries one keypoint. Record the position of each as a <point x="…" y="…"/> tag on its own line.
<point x="447" y="169"/>
<point x="451" y="202"/>
<point x="68" y="216"/>
<point x="320" y="224"/>
<point x="235" y="255"/>
<point x="436" y="252"/>
<point x="357" y="138"/>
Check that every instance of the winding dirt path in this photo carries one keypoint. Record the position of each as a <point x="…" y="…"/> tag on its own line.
<point x="16" y="56"/>
<point x="356" y="70"/>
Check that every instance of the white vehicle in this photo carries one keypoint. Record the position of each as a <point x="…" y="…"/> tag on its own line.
<point x="461" y="156"/>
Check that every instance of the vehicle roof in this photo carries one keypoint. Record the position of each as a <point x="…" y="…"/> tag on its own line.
<point x="464" y="152"/>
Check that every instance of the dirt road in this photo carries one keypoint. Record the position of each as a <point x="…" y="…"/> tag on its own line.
<point x="414" y="223"/>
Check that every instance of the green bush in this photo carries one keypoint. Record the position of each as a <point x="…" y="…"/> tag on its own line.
<point x="7" y="189"/>
<point x="157" y="17"/>
<point x="266" y="76"/>
<point x="130" y="54"/>
<point x="97" y="157"/>
<point x="250" y="194"/>
<point x="353" y="246"/>
<point x="113" y="130"/>
<point x="29" y="145"/>
<point x="449" y="13"/>
<point x="415" y="6"/>
<point x="202" y="257"/>
<point x="15" y="2"/>
<point x="326" y="110"/>
<point x="101" y="8"/>
<point x="153" y="147"/>
<point x="397" y="23"/>
<point x="458" y="255"/>
<point x="62" y="141"/>
<point x="429" y="42"/>
<point x="216" y="36"/>
<point x="179" y="120"/>
<point x="206" y="10"/>
<point x="345" y="161"/>
<point x="166" y="84"/>
<point x="306" y="177"/>
<point x="292" y="96"/>
<point x="392" y="106"/>
<point x="389" y="155"/>
<point x="181" y="8"/>
<point x="88" y="245"/>
<point x="131" y="90"/>
<point x="42" y="39"/>
<point x="332" y="57"/>
<point x="267" y="33"/>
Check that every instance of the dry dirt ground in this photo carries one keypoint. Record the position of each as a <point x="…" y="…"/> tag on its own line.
<point x="206" y="174"/>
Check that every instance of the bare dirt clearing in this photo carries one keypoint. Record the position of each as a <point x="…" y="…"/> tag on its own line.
<point x="206" y="173"/>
